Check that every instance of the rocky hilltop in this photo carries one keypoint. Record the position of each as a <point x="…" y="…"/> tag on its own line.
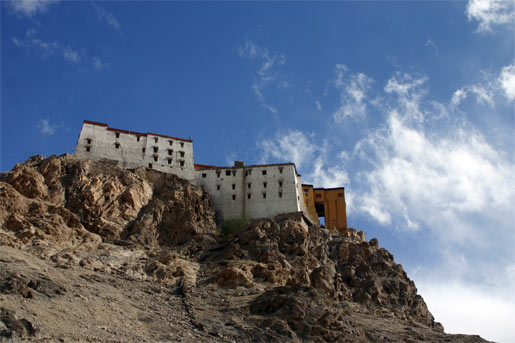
<point x="94" y="253"/>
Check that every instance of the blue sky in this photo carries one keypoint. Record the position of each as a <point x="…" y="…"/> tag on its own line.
<point x="409" y="105"/>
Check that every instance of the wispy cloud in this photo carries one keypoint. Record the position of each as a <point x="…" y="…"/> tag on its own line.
<point x="268" y="73"/>
<point x="319" y="106"/>
<point x="308" y="155"/>
<point x="46" y="49"/>
<point x="489" y="88"/>
<point x="507" y="81"/>
<point x="107" y="17"/>
<point x="430" y="44"/>
<point x="46" y="127"/>
<point x="491" y="12"/>
<point x="29" y="7"/>
<point x="483" y="95"/>
<point x="98" y="63"/>
<point x="70" y="55"/>
<point x="353" y="94"/>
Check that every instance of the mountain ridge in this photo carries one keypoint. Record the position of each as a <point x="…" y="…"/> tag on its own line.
<point x="91" y="251"/>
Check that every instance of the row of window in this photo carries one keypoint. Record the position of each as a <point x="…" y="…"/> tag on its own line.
<point x="248" y="172"/>
<point x="249" y="184"/>
<point x="170" y="142"/>
<point x="318" y="195"/>
<point x="181" y="163"/>
<point x="249" y="195"/>
<point x="117" y="145"/>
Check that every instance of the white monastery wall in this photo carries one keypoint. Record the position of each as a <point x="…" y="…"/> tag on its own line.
<point x="260" y="191"/>
<point x="132" y="149"/>
<point x="256" y="191"/>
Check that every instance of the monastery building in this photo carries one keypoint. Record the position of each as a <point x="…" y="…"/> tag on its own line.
<point x="252" y="191"/>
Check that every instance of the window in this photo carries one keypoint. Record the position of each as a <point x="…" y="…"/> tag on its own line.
<point x="150" y="165"/>
<point x="280" y="183"/>
<point x="155" y="158"/>
<point x="249" y="196"/>
<point x="263" y="172"/>
<point x="306" y="190"/>
<point x="182" y="153"/>
<point x="143" y="149"/>
<point x="340" y="195"/>
<point x="306" y="194"/>
<point x="281" y="170"/>
<point x="204" y="175"/>
<point x="298" y="198"/>
<point x="118" y="135"/>
<point x="227" y="172"/>
<point x="170" y="142"/>
<point x="217" y="187"/>
<point x="318" y="195"/>
<point x="248" y="185"/>
<point x="264" y="195"/>
<point x="234" y="173"/>
<point x="170" y="152"/>
<point x="169" y="161"/>
<point x="137" y="138"/>
<point x="280" y="194"/>
<point x="155" y="149"/>
<point x="155" y="139"/>
<point x="182" y="144"/>
<point x="182" y="163"/>
<point x="233" y="186"/>
<point x="88" y="140"/>
<point x="117" y="145"/>
<point x="264" y="184"/>
<point x="217" y="173"/>
<point x="88" y="148"/>
<point x="234" y="197"/>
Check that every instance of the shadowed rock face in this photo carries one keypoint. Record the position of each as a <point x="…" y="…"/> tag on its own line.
<point x="98" y="253"/>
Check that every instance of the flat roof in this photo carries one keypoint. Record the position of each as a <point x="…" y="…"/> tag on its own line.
<point x="328" y="189"/>
<point x="205" y="166"/>
<point x="134" y="132"/>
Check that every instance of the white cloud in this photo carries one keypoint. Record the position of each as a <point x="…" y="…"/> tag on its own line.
<point x="309" y="155"/>
<point x="45" y="49"/>
<point x="464" y="308"/>
<point x="353" y="94"/>
<point x="507" y="81"/>
<point x="318" y="105"/>
<point x="291" y="146"/>
<point x="416" y="173"/>
<point x="107" y="17"/>
<point x="491" y="12"/>
<point x="409" y="90"/>
<point x="484" y="95"/>
<point x="430" y="44"/>
<point x="46" y="128"/>
<point x="98" y="63"/>
<point x="70" y="55"/>
<point x="30" y="7"/>
<point x="268" y="73"/>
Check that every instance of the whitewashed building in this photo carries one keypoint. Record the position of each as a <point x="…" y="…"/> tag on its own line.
<point x="254" y="191"/>
<point x="134" y="149"/>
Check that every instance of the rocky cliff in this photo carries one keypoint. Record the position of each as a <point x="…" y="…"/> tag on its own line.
<point x="91" y="252"/>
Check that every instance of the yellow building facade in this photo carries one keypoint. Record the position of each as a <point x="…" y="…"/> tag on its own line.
<point x="328" y="203"/>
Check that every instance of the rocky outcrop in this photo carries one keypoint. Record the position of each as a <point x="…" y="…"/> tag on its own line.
<point x="92" y="252"/>
<point x="74" y="202"/>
